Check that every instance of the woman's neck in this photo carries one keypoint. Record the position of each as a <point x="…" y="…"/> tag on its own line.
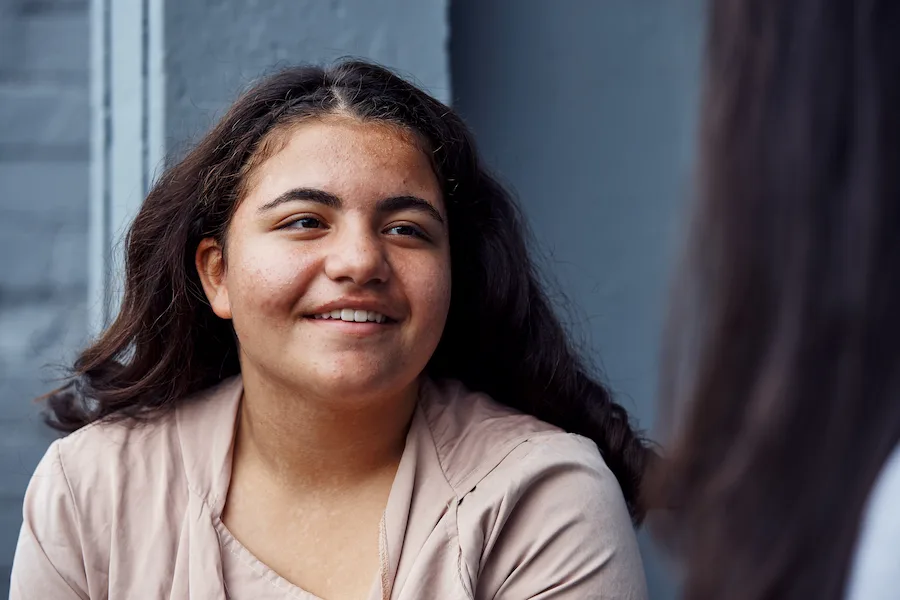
<point x="304" y="440"/>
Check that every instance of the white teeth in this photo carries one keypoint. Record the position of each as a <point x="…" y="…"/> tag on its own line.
<point x="353" y="316"/>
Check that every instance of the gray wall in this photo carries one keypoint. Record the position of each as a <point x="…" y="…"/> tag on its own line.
<point x="587" y="110"/>
<point x="214" y="48"/>
<point x="43" y="226"/>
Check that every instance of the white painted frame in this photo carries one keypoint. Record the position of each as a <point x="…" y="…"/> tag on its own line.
<point x="127" y="136"/>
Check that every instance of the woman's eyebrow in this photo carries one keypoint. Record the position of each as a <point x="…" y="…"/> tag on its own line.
<point x="308" y="194"/>
<point x="388" y="205"/>
<point x="398" y="203"/>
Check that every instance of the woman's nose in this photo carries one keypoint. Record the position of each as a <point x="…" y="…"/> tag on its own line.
<point x="357" y="255"/>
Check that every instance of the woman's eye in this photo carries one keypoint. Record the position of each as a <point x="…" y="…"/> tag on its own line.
<point x="306" y="223"/>
<point x="406" y="230"/>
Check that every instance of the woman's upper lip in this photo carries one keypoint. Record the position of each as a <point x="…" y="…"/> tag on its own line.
<point x="357" y="304"/>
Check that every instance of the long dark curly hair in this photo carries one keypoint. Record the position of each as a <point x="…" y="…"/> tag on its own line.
<point x="501" y="338"/>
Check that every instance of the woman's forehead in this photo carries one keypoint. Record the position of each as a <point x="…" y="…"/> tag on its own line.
<point x="344" y="156"/>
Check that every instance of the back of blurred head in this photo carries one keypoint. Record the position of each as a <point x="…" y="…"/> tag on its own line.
<point x="782" y="361"/>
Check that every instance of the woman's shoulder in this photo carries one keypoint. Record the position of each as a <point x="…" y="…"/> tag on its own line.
<point x="98" y="487"/>
<point x="493" y="455"/>
<point x="533" y="500"/>
<point x="474" y="435"/>
<point x="557" y="472"/>
<point x="875" y="572"/>
<point x="102" y="470"/>
<point x="552" y="516"/>
<point x="110" y="460"/>
<point x="97" y="492"/>
<point x="103" y="445"/>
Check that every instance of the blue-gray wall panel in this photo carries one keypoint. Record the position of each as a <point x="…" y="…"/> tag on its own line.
<point x="43" y="226"/>
<point x="587" y="110"/>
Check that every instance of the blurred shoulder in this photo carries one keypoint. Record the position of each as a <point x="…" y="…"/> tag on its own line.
<point x="875" y="572"/>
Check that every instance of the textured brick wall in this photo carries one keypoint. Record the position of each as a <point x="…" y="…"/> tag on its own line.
<point x="44" y="140"/>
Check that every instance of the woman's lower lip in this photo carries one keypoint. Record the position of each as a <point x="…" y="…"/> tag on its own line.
<point x="361" y="327"/>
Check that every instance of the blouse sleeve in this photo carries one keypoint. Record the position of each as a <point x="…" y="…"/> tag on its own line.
<point x="875" y="571"/>
<point x="562" y="532"/>
<point x="49" y="561"/>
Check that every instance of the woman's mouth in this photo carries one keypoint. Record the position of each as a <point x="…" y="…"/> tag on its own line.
<point x="351" y="315"/>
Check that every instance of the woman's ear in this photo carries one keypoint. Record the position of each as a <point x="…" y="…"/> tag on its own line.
<point x="210" y="261"/>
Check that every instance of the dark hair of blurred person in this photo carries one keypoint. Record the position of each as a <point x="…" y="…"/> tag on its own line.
<point x="782" y="360"/>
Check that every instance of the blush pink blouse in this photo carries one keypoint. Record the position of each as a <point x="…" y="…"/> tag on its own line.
<point x="487" y="503"/>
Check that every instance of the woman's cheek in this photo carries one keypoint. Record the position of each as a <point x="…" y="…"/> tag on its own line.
<point x="432" y="287"/>
<point x="274" y="282"/>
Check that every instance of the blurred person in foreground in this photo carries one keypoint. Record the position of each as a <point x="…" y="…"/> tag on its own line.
<point x="293" y="404"/>
<point x="782" y="365"/>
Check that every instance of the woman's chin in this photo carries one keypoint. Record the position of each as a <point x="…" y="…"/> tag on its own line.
<point x="359" y="386"/>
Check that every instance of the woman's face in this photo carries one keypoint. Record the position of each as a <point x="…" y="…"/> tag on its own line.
<point x="337" y="262"/>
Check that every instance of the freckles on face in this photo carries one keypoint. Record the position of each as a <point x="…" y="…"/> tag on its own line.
<point x="345" y="218"/>
<point x="266" y="277"/>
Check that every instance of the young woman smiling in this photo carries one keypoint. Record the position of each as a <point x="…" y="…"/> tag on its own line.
<point x="334" y="375"/>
